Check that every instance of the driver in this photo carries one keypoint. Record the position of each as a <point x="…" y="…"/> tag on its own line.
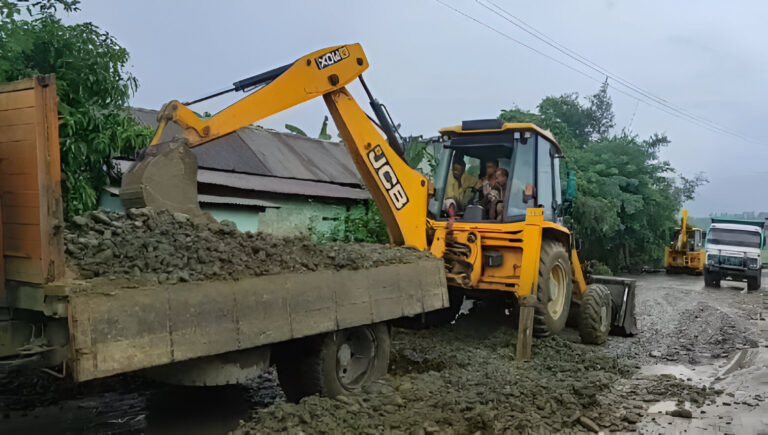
<point x="457" y="189"/>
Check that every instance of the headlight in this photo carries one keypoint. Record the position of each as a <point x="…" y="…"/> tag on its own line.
<point x="753" y="263"/>
<point x="711" y="259"/>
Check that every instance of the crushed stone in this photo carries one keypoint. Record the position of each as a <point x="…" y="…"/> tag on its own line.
<point x="703" y="332"/>
<point x="160" y="246"/>
<point x="463" y="378"/>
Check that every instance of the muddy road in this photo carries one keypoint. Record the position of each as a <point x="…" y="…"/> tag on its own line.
<point x="699" y="364"/>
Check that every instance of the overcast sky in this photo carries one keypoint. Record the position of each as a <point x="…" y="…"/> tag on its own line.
<point x="434" y="67"/>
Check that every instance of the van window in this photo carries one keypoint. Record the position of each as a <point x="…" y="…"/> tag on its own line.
<point x="722" y="236"/>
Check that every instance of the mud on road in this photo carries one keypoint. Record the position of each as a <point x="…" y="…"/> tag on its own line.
<point x="463" y="378"/>
<point x="696" y="365"/>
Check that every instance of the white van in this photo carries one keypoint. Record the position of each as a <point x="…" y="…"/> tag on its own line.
<point x="733" y="252"/>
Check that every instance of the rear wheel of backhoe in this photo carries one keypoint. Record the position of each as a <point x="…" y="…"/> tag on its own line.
<point x="336" y="363"/>
<point x="595" y="315"/>
<point x="554" y="289"/>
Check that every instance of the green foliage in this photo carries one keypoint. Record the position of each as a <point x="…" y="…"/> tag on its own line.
<point x="295" y="130"/>
<point x="9" y="10"/>
<point x="598" y="268"/>
<point x="418" y="152"/>
<point x="359" y="224"/>
<point x="627" y="196"/>
<point x="93" y="87"/>
<point x="324" y="130"/>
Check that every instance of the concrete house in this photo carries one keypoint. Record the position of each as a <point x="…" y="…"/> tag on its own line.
<point x="269" y="181"/>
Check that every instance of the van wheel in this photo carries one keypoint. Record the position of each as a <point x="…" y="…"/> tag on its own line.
<point x="336" y="363"/>
<point x="754" y="283"/>
<point x="554" y="289"/>
<point x="711" y="279"/>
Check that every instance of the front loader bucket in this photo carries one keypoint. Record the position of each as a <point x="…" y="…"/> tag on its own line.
<point x="622" y="290"/>
<point x="164" y="177"/>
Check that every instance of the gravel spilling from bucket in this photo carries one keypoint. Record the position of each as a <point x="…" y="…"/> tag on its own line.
<point x="157" y="245"/>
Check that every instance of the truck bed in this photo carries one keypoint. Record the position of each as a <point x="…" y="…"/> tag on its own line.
<point x="120" y="331"/>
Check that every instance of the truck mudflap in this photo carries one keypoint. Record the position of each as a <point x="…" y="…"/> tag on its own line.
<point x="623" y="322"/>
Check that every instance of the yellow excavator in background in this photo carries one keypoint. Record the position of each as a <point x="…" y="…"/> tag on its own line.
<point x="686" y="252"/>
<point x="525" y="257"/>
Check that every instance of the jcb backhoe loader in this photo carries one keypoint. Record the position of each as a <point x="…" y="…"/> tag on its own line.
<point x="523" y="256"/>
<point x="686" y="252"/>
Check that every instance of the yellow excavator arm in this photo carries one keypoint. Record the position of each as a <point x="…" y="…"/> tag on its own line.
<point x="682" y="239"/>
<point x="399" y="191"/>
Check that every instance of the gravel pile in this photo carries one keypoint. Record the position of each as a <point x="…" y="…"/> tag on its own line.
<point x="157" y="245"/>
<point x="703" y="332"/>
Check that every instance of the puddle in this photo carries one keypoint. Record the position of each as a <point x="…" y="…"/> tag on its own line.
<point x="167" y="410"/>
<point x="667" y="405"/>
<point x="701" y="375"/>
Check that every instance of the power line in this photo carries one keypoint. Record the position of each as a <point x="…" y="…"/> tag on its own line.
<point x="592" y="65"/>
<point x="659" y="105"/>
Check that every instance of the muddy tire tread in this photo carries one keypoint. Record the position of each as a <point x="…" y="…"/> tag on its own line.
<point x="309" y="370"/>
<point x="549" y="249"/>
<point x="590" y="323"/>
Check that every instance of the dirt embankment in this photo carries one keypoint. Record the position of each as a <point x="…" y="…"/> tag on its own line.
<point x="463" y="378"/>
<point x="157" y="245"/>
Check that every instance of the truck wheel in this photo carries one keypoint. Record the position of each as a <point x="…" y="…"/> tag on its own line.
<point x="711" y="279"/>
<point x="336" y="363"/>
<point x="595" y="319"/>
<point x="754" y="283"/>
<point x="554" y="289"/>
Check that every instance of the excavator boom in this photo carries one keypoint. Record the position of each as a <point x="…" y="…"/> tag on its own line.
<point x="399" y="191"/>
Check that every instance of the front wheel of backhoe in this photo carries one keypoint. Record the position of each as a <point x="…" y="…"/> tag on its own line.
<point x="554" y="289"/>
<point x="595" y="314"/>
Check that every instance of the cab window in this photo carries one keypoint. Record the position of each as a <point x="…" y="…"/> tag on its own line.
<point x="521" y="176"/>
<point x="544" y="184"/>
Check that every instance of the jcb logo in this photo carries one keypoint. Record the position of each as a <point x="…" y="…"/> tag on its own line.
<point x="387" y="177"/>
<point x="332" y="57"/>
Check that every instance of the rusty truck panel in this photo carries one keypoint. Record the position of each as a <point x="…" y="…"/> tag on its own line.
<point x="30" y="181"/>
<point x="120" y="331"/>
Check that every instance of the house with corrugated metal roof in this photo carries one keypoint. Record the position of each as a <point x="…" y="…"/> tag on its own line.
<point x="265" y="180"/>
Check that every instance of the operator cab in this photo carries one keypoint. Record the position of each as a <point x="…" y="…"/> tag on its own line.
<point x="695" y="238"/>
<point x="489" y="171"/>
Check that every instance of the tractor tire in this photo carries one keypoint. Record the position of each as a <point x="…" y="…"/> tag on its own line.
<point x="336" y="363"/>
<point x="754" y="283"/>
<point x="711" y="279"/>
<point x="595" y="319"/>
<point x="554" y="289"/>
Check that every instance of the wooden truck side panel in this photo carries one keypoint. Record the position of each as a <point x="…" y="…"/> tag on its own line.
<point x="133" y="329"/>
<point x="30" y="181"/>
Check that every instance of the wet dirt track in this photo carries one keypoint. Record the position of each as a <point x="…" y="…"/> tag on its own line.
<point x="697" y="366"/>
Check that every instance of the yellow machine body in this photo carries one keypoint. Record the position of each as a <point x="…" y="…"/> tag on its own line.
<point x="401" y="193"/>
<point x="686" y="253"/>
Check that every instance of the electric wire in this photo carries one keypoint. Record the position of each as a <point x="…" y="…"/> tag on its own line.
<point x="594" y="66"/>
<point x="658" y="105"/>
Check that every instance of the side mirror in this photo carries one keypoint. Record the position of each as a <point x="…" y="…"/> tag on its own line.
<point x="529" y="193"/>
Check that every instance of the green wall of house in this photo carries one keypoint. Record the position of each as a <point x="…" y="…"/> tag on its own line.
<point x="299" y="215"/>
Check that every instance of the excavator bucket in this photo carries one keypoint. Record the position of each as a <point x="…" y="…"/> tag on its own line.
<point x="164" y="177"/>
<point x="622" y="291"/>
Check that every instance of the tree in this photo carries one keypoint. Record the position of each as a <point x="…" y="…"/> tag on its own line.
<point x="627" y="196"/>
<point x="93" y="87"/>
<point x="601" y="108"/>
